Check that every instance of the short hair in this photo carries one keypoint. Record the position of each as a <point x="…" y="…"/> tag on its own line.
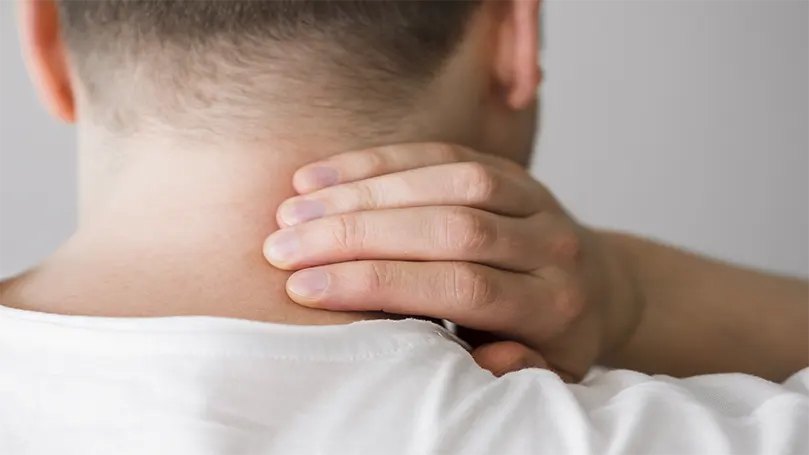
<point x="380" y="48"/>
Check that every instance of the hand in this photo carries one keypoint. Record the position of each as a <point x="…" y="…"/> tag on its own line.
<point x="445" y="232"/>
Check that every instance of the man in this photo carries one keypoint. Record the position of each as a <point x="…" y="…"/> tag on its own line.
<point x="159" y="328"/>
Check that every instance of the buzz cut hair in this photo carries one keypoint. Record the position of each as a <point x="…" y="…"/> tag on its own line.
<point x="200" y="54"/>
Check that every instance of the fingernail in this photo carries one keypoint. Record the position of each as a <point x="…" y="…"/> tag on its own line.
<point x="320" y="177"/>
<point x="281" y="246"/>
<point x="308" y="283"/>
<point x="302" y="210"/>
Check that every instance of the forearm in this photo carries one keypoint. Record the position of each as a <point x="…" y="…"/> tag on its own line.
<point x="702" y="316"/>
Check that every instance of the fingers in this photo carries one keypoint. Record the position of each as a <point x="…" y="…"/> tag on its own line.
<point x="468" y="294"/>
<point x="469" y="184"/>
<point x="416" y="234"/>
<point x="427" y="234"/>
<point x="364" y="164"/>
<point x="507" y="357"/>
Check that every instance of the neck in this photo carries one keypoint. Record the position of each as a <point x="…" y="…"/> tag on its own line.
<point x="179" y="231"/>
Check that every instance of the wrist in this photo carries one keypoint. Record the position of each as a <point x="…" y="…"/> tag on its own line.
<point x="625" y="304"/>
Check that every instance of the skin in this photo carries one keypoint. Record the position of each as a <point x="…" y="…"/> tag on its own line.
<point x="498" y="252"/>
<point x="171" y="223"/>
<point x="474" y="239"/>
<point x="170" y="226"/>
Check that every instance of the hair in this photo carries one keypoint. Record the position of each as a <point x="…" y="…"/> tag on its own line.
<point x="188" y="57"/>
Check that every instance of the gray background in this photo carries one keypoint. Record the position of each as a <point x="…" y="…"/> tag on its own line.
<point x="682" y="120"/>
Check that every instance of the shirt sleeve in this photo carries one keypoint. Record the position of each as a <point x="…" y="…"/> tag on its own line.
<point x="624" y="412"/>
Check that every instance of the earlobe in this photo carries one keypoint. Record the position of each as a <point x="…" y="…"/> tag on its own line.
<point x="45" y="56"/>
<point x="517" y="61"/>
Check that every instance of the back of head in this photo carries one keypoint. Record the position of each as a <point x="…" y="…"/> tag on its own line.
<point x="219" y="66"/>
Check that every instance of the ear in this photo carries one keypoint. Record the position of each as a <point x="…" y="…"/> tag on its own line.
<point x="516" y="60"/>
<point x="45" y="55"/>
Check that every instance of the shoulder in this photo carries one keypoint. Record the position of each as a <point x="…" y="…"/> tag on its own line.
<point x="534" y="411"/>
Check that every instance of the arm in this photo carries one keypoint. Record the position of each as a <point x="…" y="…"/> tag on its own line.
<point x="446" y="232"/>
<point x="702" y="316"/>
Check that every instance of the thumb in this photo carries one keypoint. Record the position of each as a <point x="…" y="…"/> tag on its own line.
<point x="507" y="356"/>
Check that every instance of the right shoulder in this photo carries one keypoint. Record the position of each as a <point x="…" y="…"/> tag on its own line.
<point x="534" y="411"/>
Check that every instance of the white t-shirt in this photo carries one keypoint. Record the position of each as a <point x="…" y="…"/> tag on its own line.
<point x="200" y="385"/>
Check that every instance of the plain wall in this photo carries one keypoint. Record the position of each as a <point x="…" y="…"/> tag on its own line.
<point x="683" y="120"/>
<point x="37" y="164"/>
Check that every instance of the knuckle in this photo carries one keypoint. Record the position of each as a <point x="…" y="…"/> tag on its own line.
<point x="380" y="277"/>
<point x="468" y="230"/>
<point x="446" y="152"/>
<point x="475" y="181"/>
<point x="471" y="289"/>
<point x="362" y="195"/>
<point x="347" y="233"/>
<point x="566" y="247"/>
<point x="374" y="162"/>
<point x="570" y="303"/>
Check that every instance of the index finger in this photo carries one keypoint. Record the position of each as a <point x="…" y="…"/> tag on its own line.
<point x="373" y="162"/>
